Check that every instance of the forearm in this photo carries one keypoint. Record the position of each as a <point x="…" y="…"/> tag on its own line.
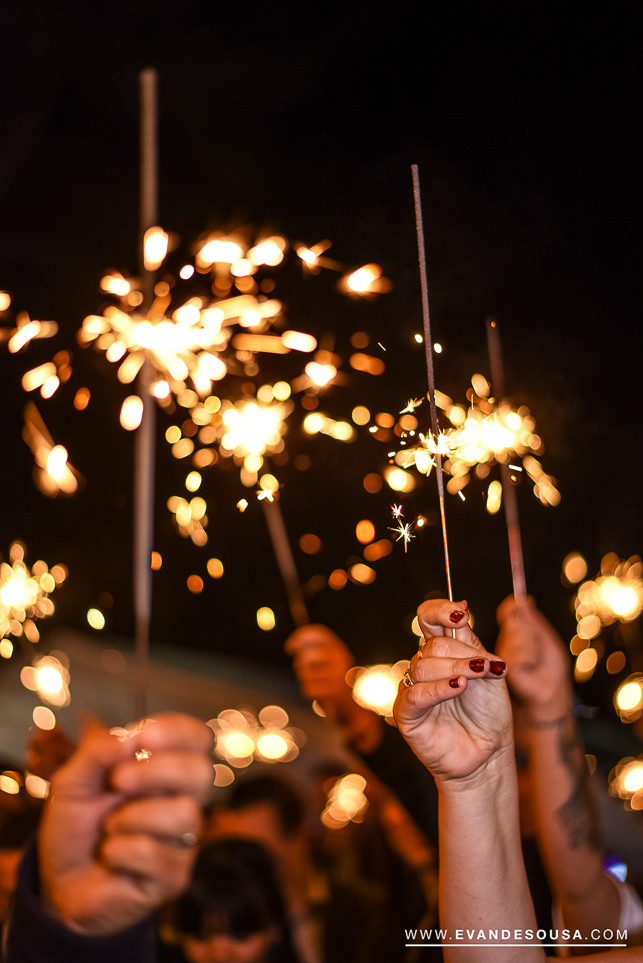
<point x="567" y="822"/>
<point x="483" y="885"/>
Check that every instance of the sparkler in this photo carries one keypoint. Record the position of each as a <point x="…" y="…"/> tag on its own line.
<point x="144" y="448"/>
<point x="508" y="490"/>
<point x="428" y="348"/>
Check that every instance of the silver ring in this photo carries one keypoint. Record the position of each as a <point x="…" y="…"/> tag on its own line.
<point x="188" y="840"/>
<point x="407" y="680"/>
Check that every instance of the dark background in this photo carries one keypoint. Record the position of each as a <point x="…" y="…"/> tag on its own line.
<point x="305" y="119"/>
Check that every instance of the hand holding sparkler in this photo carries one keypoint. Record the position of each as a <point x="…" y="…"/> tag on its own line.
<point x="450" y="708"/>
<point x="540" y="672"/>
<point x="321" y="661"/>
<point x="117" y="837"/>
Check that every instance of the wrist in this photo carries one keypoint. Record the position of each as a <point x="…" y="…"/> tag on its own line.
<point x="493" y="778"/>
<point x="558" y="705"/>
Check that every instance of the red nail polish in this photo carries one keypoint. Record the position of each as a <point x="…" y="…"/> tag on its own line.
<point x="496" y="667"/>
<point x="454" y="683"/>
<point x="456" y="616"/>
<point x="476" y="665"/>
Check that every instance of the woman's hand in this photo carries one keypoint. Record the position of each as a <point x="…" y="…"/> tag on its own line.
<point x="455" y="713"/>
<point x="540" y="669"/>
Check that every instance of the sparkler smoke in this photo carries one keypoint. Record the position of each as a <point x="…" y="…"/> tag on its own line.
<point x="428" y="348"/>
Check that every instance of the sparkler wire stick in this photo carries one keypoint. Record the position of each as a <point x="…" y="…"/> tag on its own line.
<point x="508" y="490"/>
<point x="285" y="562"/>
<point x="144" y="454"/>
<point x="428" y="350"/>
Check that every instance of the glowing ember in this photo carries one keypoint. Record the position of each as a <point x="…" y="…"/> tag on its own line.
<point x="191" y="518"/>
<point x="243" y="736"/>
<point x="375" y="687"/>
<point x="24" y="594"/>
<point x="49" y="677"/>
<point x="346" y="802"/>
<point x="481" y="437"/>
<point x="616" y="594"/>
<point x="190" y="341"/>
<point x="25" y="330"/>
<point x="53" y="475"/>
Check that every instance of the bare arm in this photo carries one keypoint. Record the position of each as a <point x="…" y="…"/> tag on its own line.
<point x="566" y="820"/>
<point x="457" y="718"/>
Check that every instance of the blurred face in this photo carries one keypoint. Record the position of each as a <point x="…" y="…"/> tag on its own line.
<point x="223" y="948"/>
<point x="259" y="821"/>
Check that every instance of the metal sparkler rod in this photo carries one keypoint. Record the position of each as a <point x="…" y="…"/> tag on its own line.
<point x="428" y="350"/>
<point x="144" y="449"/>
<point x="286" y="562"/>
<point x="508" y="490"/>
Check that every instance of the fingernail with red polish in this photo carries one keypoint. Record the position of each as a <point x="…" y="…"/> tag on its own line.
<point x="456" y="616"/>
<point x="454" y="683"/>
<point x="476" y="665"/>
<point x="496" y="667"/>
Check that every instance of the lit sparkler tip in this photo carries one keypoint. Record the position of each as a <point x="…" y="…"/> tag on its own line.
<point x="412" y="404"/>
<point x="403" y="532"/>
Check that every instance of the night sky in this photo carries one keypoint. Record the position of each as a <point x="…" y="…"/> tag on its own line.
<point x="304" y="119"/>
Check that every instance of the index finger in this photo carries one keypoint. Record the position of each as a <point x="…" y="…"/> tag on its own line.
<point x="170" y="730"/>
<point x="436" y="615"/>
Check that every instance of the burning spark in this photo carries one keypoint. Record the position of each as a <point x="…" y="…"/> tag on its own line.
<point x="190" y="342"/>
<point x="346" y="802"/>
<point x="243" y="736"/>
<point x="365" y="281"/>
<point x="49" y="677"/>
<point x="190" y="517"/>
<point x="616" y="594"/>
<point x="311" y="257"/>
<point x="375" y="687"/>
<point x="24" y="594"/>
<point x="412" y="404"/>
<point x="402" y="529"/>
<point x="480" y="438"/>
<point x="25" y="330"/>
<point x="53" y="474"/>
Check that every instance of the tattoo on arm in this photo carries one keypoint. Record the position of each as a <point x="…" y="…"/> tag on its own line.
<point x="577" y="815"/>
